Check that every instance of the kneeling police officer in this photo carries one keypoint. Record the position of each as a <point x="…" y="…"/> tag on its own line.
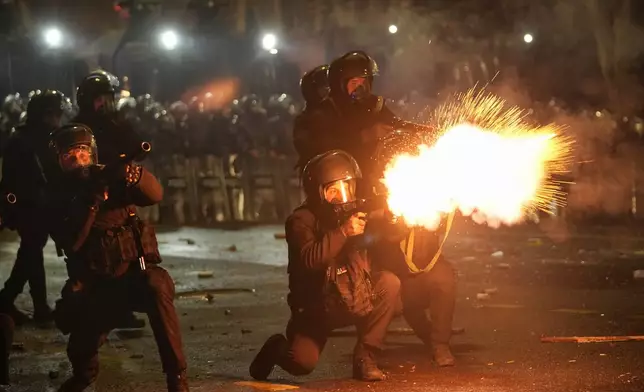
<point x="330" y="277"/>
<point x="111" y="255"/>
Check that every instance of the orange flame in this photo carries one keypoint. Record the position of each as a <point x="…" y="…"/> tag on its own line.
<point x="495" y="175"/>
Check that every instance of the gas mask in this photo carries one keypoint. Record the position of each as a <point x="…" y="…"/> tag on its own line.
<point x="358" y="88"/>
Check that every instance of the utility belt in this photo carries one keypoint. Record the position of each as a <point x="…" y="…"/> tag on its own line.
<point x="109" y="252"/>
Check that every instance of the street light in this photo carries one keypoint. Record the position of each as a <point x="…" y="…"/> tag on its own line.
<point x="53" y="37"/>
<point x="528" y="38"/>
<point x="393" y="29"/>
<point x="169" y="40"/>
<point x="269" y="43"/>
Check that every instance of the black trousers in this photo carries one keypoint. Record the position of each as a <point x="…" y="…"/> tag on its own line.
<point x="28" y="267"/>
<point x="6" y="340"/>
<point x="434" y="290"/>
<point x="307" y="333"/>
<point x="96" y="306"/>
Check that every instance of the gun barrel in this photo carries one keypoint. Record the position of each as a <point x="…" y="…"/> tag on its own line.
<point x="11" y="198"/>
<point x="146" y="147"/>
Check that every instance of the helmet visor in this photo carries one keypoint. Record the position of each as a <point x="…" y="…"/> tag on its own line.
<point x="76" y="157"/>
<point x="339" y="192"/>
<point x="358" y="88"/>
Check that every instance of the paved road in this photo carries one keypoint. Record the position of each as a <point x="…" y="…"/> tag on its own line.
<point x="581" y="286"/>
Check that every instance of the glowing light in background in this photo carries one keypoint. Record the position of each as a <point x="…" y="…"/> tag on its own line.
<point x="169" y="40"/>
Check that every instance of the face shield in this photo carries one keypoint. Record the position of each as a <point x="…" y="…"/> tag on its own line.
<point x="339" y="192"/>
<point x="358" y="88"/>
<point x="76" y="157"/>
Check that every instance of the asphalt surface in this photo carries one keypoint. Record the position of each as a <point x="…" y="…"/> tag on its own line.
<point x="545" y="283"/>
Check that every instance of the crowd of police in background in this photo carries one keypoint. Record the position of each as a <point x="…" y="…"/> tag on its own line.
<point x="236" y="162"/>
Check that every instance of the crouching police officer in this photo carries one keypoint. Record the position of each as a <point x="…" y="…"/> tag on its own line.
<point x="330" y="278"/>
<point x="428" y="281"/>
<point x="111" y="255"/>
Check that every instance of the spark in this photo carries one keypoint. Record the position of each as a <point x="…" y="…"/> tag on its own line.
<point x="485" y="160"/>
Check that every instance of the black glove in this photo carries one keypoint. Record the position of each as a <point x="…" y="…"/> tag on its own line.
<point x="133" y="174"/>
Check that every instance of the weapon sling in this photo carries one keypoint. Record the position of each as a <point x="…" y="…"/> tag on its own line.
<point x="407" y="246"/>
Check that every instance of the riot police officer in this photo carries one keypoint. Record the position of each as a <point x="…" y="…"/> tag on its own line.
<point x="12" y="108"/>
<point x="22" y="175"/>
<point x="314" y="86"/>
<point x="112" y="257"/>
<point x="175" y="146"/>
<point x="97" y="109"/>
<point x="324" y="255"/>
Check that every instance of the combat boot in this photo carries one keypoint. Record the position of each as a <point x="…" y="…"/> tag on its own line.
<point x="267" y="357"/>
<point x="365" y="367"/>
<point x="177" y="382"/>
<point x="443" y="355"/>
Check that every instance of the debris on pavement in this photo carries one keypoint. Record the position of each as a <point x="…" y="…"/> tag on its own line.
<point x="232" y="248"/>
<point x="468" y="258"/>
<point x="205" y="274"/>
<point x="498" y="253"/>
<point x="592" y="339"/>
<point x="535" y="242"/>
<point x="503" y="265"/>
<point x="266" y="386"/>
<point x="53" y="374"/>
<point x="245" y="331"/>
<point x="227" y="312"/>
<point x="482" y="296"/>
<point x="136" y="356"/>
<point x="576" y="311"/>
<point x="279" y="236"/>
<point x="203" y="294"/>
<point x="492" y="290"/>
<point x="188" y="241"/>
<point x="638" y="274"/>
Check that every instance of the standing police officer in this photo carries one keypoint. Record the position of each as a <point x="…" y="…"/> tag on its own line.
<point x="314" y="86"/>
<point x="112" y="256"/>
<point x="22" y="175"/>
<point x="351" y="118"/>
<point x="98" y="110"/>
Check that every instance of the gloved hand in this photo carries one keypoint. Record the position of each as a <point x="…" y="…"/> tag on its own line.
<point x="133" y="174"/>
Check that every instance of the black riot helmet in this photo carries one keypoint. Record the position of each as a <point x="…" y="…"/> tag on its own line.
<point x="96" y="94"/>
<point x="331" y="178"/>
<point x="281" y="105"/>
<point x="143" y="101"/>
<point x="250" y="103"/>
<point x="351" y="77"/>
<point x="315" y="85"/>
<point x="46" y="108"/>
<point x="73" y="148"/>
